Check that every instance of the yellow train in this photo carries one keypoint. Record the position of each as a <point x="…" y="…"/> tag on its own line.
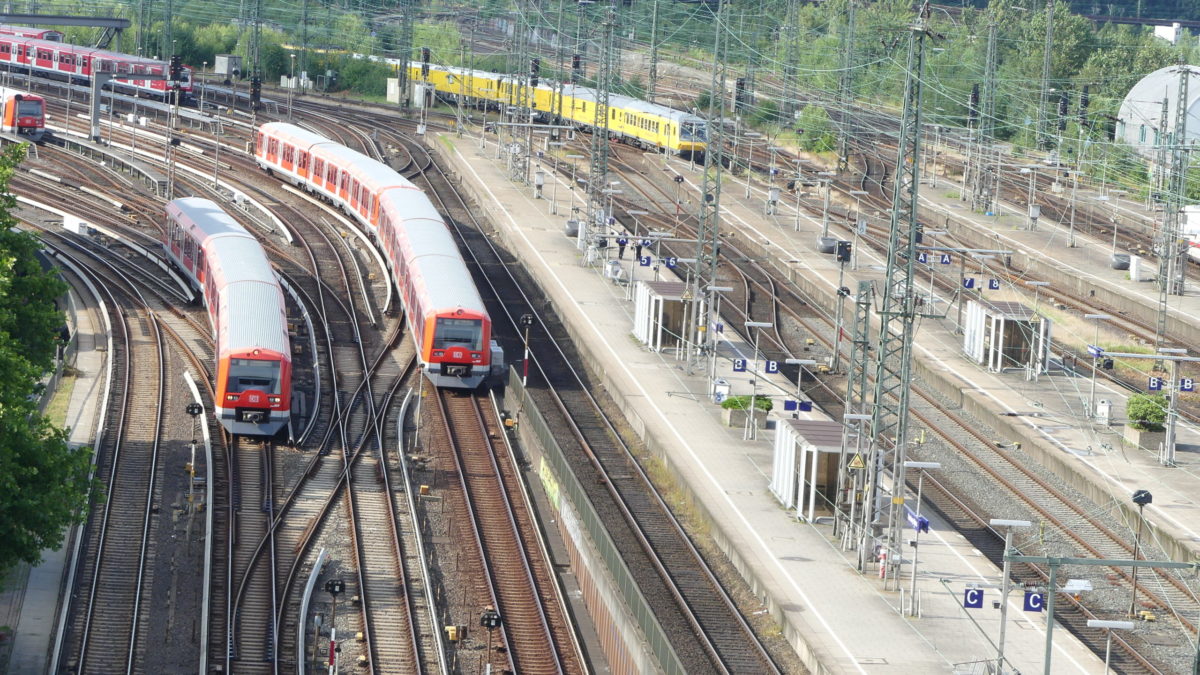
<point x="630" y="120"/>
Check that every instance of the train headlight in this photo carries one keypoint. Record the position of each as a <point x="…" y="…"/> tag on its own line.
<point x="231" y="397"/>
<point x="439" y="353"/>
<point x="273" y="399"/>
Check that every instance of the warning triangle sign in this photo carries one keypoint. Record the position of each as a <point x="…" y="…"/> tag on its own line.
<point x="857" y="463"/>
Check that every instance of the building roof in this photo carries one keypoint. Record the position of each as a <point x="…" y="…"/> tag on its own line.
<point x="1141" y="114"/>
<point x="1013" y="311"/>
<point x="818" y="433"/>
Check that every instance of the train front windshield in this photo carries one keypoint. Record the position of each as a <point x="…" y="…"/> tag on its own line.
<point x="465" y="333"/>
<point x="256" y="374"/>
<point x="692" y="131"/>
<point x="27" y="108"/>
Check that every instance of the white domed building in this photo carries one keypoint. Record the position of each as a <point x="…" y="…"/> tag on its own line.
<point x="1140" y="119"/>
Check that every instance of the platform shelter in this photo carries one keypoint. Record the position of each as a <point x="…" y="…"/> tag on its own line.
<point x="1006" y="335"/>
<point x="807" y="457"/>
<point x="661" y="313"/>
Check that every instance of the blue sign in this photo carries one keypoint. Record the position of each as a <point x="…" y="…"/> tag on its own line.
<point x="671" y="261"/>
<point x="739" y="365"/>
<point x="622" y="241"/>
<point x="805" y="406"/>
<point x="612" y="221"/>
<point x="772" y="367"/>
<point x="1035" y="601"/>
<point x="790" y="405"/>
<point x="918" y="523"/>
<point x="644" y="261"/>
<point x="968" y="283"/>
<point x="973" y="598"/>
<point x="993" y="284"/>
<point x="1155" y="384"/>
<point x="1095" y="351"/>
<point x="647" y="242"/>
<point x="945" y="259"/>
<point x="774" y="171"/>
<point x="1187" y="384"/>
<point x="720" y="328"/>
<point x="922" y="257"/>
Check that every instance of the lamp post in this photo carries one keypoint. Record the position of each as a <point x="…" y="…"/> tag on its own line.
<point x="1005" y="583"/>
<point x="921" y="467"/>
<point x="715" y="293"/>
<point x="800" y="373"/>
<point x="1034" y="211"/>
<point x="797" y="185"/>
<point x="750" y="136"/>
<point x="1167" y="457"/>
<point x="1109" y="627"/>
<point x="1141" y="498"/>
<point x="827" y="181"/>
<point x="526" y="323"/>
<point x="1091" y="412"/>
<point x="751" y="431"/>
<point x="1035" y="361"/>
<point x="859" y="225"/>
<point x="291" y="85"/>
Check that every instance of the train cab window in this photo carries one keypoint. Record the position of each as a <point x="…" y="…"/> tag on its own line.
<point x="29" y="108"/>
<point x="247" y="374"/>
<point x="467" y="333"/>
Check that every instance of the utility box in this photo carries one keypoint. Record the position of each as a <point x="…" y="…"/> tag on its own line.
<point x="226" y="64"/>
<point x="720" y="390"/>
<point x="1104" y="411"/>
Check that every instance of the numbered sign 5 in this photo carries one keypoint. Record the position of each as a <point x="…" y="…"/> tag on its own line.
<point x="644" y="261"/>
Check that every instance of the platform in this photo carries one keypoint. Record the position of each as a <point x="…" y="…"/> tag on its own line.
<point x="838" y="619"/>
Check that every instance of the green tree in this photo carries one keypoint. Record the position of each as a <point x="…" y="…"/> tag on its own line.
<point x="1146" y="412"/>
<point x="43" y="483"/>
<point x="818" y="132"/>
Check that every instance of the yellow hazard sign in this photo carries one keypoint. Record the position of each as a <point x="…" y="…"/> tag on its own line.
<point x="857" y="463"/>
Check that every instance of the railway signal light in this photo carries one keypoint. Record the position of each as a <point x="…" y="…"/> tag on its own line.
<point x="739" y="91"/>
<point x="1062" y="112"/>
<point x="535" y="69"/>
<point x="255" y="89"/>
<point x="176" y="68"/>
<point x="1084" y="99"/>
<point x="973" y="104"/>
<point x="842" y="253"/>
<point x="425" y="63"/>
<point x="576" y="68"/>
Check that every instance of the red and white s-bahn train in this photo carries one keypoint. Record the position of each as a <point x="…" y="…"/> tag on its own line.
<point x="245" y="304"/>
<point x="450" y="325"/>
<point x="48" y="56"/>
<point x="22" y="113"/>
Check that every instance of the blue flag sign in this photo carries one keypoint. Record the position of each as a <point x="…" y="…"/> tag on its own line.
<point x="772" y="367"/>
<point x="1035" y="601"/>
<point x="647" y="242"/>
<point x="968" y="283"/>
<point x="739" y="365"/>
<point x="791" y="406"/>
<point x="923" y="257"/>
<point x="1095" y="351"/>
<point x="671" y="261"/>
<point x="805" y="406"/>
<point x="945" y="259"/>
<point x="645" y="261"/>
<point x="1187" y="384"/>
<point x="1154" y="384"/>
<point x="993" y="284"/>
<point x="622" y="241"/>
<point x="973" y="598"/>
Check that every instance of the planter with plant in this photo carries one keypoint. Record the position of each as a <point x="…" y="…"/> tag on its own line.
<point x="736" y="409"/>
<point x="1146" y="414"/>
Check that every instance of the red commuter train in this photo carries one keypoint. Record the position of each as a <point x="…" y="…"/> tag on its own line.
<point x="22" y="113"/>
<point x="245" y="304"/>
<point x="450" y="325"/>
<point x="48" y="57"/>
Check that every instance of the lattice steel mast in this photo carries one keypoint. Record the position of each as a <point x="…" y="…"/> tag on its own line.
<point x="1172" y="261"/>
<point x="897" y="317"/>
<point x="404" y="45"/>
<point x="846" y="90"/>
<point x="708" y="246"/>
<point x="598" y="173"/>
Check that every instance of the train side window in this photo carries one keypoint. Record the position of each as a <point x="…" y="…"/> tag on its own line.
<point x="259" y="142"/>
<point x="288" y="153"/>
<point x="345" y="181"/>
<point x="303" y="160"/>
<point x="187" y="248"/>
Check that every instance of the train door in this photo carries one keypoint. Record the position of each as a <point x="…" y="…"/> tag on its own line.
<point x="302" y="164"/>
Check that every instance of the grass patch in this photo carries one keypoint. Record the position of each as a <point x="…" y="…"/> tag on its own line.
<point x="56" y="412"/>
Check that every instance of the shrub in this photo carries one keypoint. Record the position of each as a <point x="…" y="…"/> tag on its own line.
<point x="743" y="403"/>
<point x="1147" y="412"/>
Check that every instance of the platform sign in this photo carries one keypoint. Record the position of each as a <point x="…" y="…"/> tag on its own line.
<point x="645" y="261"/>
<point x="612" y="220"/>
<point x="1187" y="384"/>
<point x="805" y="406"/>
<point x="917" y="523"/>
<point x="739" y="365"/>
<point x="945" y="260"/>
<point x="671" y="262"/>
<point x="1035" y="601"/>
<point x="923" y="258"/>
<point x="647" y="242"/>
<point x="1095" y="351"/>
<point x="1154" y="383"/>
<point x="969" y="283"/>
<point x="622" y="241"/>
<point x="772" y="367"/>
<point x="791" y="406"/>
<point x="993" y="284"/>
<point x="973" y="598"/>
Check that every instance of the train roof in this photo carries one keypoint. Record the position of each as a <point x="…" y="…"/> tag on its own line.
<point x="80" y="49"/>
<point x="364" y="168"/>
<point x="447" y="283"/>
<point x="249" y="323"/>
